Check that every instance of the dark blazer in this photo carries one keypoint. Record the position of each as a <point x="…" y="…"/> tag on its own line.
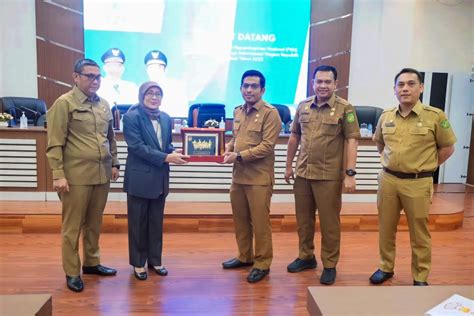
<point x="146" y="172"/>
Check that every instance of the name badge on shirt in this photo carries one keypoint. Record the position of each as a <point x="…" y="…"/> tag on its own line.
<point x="390" y="123"/>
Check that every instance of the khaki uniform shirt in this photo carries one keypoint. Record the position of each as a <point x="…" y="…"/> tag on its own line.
<point x="254" y="136"/>
<point x="81" y="140"/>
<point x="323" y="132"/>
<point x="412" y="142"/>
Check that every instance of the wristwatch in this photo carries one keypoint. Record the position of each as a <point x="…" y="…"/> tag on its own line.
<point x="351" y="172"/>
<point x="239" y="157"/>
<point x="116" y="166"/>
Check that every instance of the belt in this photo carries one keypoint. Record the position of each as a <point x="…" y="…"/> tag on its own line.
<point x="403" y="175"/>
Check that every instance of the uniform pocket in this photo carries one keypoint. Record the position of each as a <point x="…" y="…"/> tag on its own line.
<point x="255" y="133"/>
<point x="304" y="119"/>
<point x="330" y="126"/>
<point x="389" y="130"/>
<point x="81" y="115"/>
<point x="420" y="136"/>
<point x="419" y="131"/>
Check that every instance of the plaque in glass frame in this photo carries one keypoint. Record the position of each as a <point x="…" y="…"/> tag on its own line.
<point x="203" y="144"/>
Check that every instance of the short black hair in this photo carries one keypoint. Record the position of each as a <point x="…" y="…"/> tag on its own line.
<point x="253" y="73"/>
<point x="409" y="71"/>
<point x="81" y="63"/>
<point x="326" y="68"/>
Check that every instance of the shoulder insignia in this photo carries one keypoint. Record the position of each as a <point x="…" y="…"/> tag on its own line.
<point x="392" y="109"/>
<point x="268" y="105"/>
<point x="307" y="100"/>
<point x="432" y="108"/>
<point x="342" y="101"/>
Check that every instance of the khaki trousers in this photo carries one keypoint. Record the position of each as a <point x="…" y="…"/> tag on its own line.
<point x="414" y="197"/>
<point x="325" y="197"/>
<point x="82" y="209"/>
<point x="251" y="212"/>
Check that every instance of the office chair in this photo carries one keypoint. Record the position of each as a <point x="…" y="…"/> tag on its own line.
<point x="199" y="113"/>
<point x="35" y="109"/>
<point x="284" y="111"/>
<point x="368" y="114"/>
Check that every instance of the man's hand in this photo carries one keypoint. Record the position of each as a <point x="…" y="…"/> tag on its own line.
<point x="115" y="174"/>
<point x="230" y="157"/>
<point x="349" y="184"/>
<point x="60" y="185"/>
<point x="289" y="174"/>
<point x="176" y="158"/>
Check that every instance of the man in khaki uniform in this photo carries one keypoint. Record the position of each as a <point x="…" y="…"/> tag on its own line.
<point x="82" y="154"/>
<point x="257" y="125"/>
<point x="414" y="139"/>
<point x="327" y="128"/>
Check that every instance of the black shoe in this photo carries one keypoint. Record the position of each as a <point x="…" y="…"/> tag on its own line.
<point x="142" y="276"/>
<point x="99" y="270"/>
<point x="420" y="283"/>
<point x="380" y="277"/>
<point x="161" y="271"/>
<point x="235" y="263"/>
<point x="74" y="283"/>
<point x="257" y="275"/>
<point x="328" y="277"/>
<point x="300" y="265"/>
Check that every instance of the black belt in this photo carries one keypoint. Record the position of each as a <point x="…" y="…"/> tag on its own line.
<point x="403" y="175"/>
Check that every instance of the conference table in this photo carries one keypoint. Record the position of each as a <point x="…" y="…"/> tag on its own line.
<point x="382" y="300"/>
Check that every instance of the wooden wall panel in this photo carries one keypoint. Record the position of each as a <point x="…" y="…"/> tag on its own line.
<point x="59" y="25"/>
<point x="56" y="62"/>
<point x="330" y="40"/>
<point x="59" y="42"/>
<point x="343" y="92"/>
<point x="50" y="91"/>
<point x="72" y="4"/>
<point x="325" y="10"/>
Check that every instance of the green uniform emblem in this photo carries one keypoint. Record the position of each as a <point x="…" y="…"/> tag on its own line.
<point x="351" y="117"/>
<point x="445" y="124"/>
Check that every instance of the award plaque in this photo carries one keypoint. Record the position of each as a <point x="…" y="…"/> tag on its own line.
<point x="203" y="144"/>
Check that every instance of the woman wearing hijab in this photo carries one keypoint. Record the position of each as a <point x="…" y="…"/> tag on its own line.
<point x="147" y="132"/>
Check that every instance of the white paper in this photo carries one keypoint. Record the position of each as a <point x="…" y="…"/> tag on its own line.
<point x="455" y="305"/>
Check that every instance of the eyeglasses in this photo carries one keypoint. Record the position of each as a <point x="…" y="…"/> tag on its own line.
<point x="152" y="94"/>
<point x="91" y="77"/>
<point x="253" y="86"/>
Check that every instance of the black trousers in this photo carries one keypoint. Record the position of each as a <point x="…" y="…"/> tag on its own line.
<point x="145" y="230"/>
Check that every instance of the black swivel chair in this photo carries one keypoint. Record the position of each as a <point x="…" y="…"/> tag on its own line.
<point x="35" y="109"/>
<point x="285" y="116"/>
<point x="368" y="114"/>
<point x="201" y="112"/>
<point x="284" y="111"/>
